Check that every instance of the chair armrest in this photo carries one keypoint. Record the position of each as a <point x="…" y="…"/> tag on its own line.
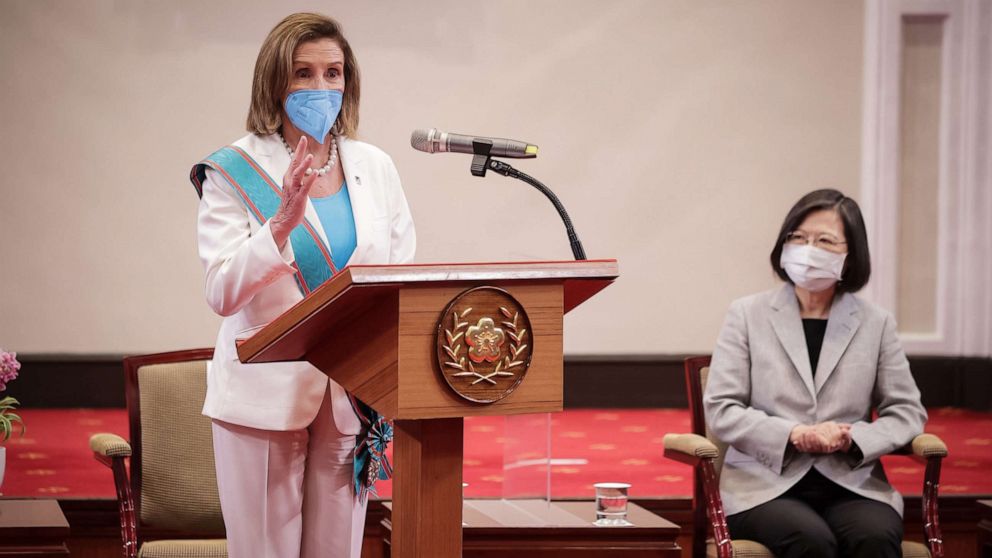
<point x="701" y="453"/>
<point x="112" y="450"/>
<point x="928" y="445"/>
<point x="689" y="448"/>
<point x="110" y="445"/>
<point x="923" y="447"/>
<point x="929" y="450"/>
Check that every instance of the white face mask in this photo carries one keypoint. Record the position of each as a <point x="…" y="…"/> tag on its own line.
<point x="812" y="268"/>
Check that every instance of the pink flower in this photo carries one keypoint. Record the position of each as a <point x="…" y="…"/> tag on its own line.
<point x="484" y="341"/>
<point x="8" y="368"/>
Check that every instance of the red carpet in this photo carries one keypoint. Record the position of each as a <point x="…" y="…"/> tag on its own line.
<point x="53" y="459"/>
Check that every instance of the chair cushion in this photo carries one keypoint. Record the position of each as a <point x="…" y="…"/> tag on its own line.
<point x="914" y="550"/>
<point x="178" y="481"/>
<point x="751" y="549"/>
<point x="214" y="548"/>
<point x="742" y="549"/>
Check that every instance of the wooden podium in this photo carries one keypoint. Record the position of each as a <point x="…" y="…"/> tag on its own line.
<point x="426" y="345"/>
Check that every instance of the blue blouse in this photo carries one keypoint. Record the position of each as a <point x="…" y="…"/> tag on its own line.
<point x="338" y="221"/>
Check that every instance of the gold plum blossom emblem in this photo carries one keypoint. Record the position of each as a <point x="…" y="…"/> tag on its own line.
<point x="485" y="341"/>
<point x="486" y="361"/>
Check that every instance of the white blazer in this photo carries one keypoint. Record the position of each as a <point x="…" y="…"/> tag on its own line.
<point x="250" y="282"/>
<point x="761" y="385"/>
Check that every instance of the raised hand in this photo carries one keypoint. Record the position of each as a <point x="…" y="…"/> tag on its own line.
<point x="296" y="185"/>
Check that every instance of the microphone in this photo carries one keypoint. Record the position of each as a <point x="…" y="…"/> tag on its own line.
<point x="436" y="141"/>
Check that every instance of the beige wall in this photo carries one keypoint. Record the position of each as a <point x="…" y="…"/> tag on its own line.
<point x="677" y="133"/>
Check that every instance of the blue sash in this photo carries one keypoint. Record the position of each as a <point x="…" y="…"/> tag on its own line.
<point x="262" y="196"/>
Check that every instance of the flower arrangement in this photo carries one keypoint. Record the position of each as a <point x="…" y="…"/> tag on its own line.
<point x="8" y="372"/>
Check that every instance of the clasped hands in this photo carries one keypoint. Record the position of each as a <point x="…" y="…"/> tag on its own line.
<point x="824" y="437"/>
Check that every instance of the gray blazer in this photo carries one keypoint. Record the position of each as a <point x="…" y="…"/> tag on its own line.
<point x="760" y="386"/>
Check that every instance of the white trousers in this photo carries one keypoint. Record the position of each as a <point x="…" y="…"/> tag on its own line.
<point x="289" y="494"/>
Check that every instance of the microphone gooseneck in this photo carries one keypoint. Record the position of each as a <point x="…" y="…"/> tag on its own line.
<point x="573" y="239"/>
<point x="483" y="149"/>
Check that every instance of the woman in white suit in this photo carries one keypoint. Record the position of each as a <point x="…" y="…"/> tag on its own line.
<point x="793" y="381"/>
<point x="281" y="210"/>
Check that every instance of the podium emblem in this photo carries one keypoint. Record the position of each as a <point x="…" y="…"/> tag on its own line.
<point x="484" y="344"/>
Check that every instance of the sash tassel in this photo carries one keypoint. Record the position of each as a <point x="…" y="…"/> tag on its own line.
<point x="371" y="463"/>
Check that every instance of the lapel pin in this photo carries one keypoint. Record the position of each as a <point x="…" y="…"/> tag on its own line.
<point x="358" y="181"/>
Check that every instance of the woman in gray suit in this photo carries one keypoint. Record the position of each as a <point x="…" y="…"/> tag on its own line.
<point x="793" y="381"/>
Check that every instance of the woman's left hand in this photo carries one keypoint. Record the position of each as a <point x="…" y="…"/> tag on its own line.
<point x="824" y="437"/>
<point x="838" y="435"/>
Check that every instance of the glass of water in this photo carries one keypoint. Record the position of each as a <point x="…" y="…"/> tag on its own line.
<point x="611" y="504"/>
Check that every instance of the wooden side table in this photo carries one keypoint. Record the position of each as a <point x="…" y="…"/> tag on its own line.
<point x="984" y="534"/>
<point x="34" y="528"/>
<point x="499" y="528"/>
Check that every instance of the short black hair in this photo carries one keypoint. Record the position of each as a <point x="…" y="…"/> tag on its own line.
<point x="857" y="266"/>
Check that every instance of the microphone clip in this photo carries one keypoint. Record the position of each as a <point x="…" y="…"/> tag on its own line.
<point x="480" y="159"/>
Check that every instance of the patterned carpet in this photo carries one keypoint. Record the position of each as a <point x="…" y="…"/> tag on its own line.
<point x="587" y="446"/>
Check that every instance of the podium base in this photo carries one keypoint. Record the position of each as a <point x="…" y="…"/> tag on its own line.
<point x="427" y="488"/>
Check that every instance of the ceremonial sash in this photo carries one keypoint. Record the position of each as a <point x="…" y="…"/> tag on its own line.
<point x="262" y="196"/>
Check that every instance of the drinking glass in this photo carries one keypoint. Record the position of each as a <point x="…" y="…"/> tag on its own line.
<point x="611" y="504"/>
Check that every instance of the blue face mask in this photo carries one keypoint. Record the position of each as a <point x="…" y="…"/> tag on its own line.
<point x="314" y="111"/>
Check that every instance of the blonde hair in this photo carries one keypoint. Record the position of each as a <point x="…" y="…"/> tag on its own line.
<point x="275" y="64"/>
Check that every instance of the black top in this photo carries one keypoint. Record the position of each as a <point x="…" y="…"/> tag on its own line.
<point x="814" y="330"/>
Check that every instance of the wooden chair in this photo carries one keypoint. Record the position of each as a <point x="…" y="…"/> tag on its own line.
<point x="172" y="490"/>
<point x="705" y="453"/>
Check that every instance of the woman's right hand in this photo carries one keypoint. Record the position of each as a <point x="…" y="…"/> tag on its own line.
<point x="824" y="437"/>
<point x="296" y="185"/>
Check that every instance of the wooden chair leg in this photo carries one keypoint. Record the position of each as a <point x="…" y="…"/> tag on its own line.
<point x="714" y="509"/>
<point x="931" y="522"/>
<point x="125" y="503"/>
<point x="700" y="524"/>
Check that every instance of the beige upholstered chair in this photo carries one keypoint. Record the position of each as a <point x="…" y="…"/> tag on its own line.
<point x="705" y="453"/>
<point x="172" y="492"/>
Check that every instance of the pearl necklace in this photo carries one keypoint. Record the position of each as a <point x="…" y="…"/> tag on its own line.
<point x="332" y="157"/>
